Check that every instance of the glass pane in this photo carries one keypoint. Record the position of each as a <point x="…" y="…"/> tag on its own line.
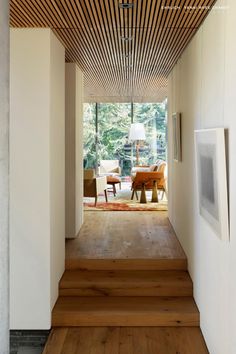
<point x="89" y="135"/>
<point x="114" y="121"/>
<point x="153" y="116"/>
<point x="111" y="142"/>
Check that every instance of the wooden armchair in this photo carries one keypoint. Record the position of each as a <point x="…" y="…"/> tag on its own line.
<point x="159" y="166"/>
<point x="93" y="186"/>
<point x="146" y="181"/>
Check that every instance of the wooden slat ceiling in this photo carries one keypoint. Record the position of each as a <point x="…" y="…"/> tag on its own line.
<point x="125" y="54"/>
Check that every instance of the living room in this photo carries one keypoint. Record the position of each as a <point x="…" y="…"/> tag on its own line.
<point x="121" y="140"/>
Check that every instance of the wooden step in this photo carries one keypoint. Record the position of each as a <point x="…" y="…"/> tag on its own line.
<point x="126" y="340"/>
<point x="126" y="283"/>
<point x="127" y="264"/>
<point x="125" y="311"/>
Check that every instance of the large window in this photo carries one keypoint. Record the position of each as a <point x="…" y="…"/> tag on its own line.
<point x="106" y="129"/>
<point x="153" y="116"/>
<point x="90" y="157"/>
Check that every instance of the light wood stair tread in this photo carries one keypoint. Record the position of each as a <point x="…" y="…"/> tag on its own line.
<point x="126" y="264"/>
<point x="80" y="278"/>
<point x="123" y="311"/>
<point x="126" y="283"/>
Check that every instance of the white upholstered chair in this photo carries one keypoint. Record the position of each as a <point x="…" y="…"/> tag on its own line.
<point x="109" y="167"/>
<point x="93" y="186"/>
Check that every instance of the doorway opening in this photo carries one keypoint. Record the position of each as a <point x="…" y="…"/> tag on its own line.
<point x="125" y="154"/>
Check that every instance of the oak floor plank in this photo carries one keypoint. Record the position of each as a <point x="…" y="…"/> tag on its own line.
<point x="85" y="340"/>
<point x="72" y="342"/>
<point x="189" y="344"/>
<point x="140" y="341"/>
<point x="126" y="340"/>
<point x="159" y="341"/>
<point x="105" y="340"/>
<point x="56" y="341"/>
<point x="99" y="338"/>
<point x="112" y="341"/>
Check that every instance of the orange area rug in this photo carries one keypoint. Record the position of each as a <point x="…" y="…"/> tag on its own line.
<point x="122" y="202"/>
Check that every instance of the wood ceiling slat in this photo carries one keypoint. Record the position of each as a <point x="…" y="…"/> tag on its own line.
<point x="177" y="54"/>
<point x="140" y="68"/>
<point x="166" y="40"/>
<point x="101" y="14"/>
<point x="60" y="18"/>
<point x="138" y="49"/>
<point x="155" y="10"/>
<point x="45" y="10"/>
<point x="145" y="31"/>
<point x="21" y="14"/>
<point x="96" y="37"/>
<point x="15" y="21"/>
<point x="114" y="45"/>
<point x="157" y="35"/>
<point x="91" y="32"/>
<point x="197" y="17"/>
<point x="36" y="17"/>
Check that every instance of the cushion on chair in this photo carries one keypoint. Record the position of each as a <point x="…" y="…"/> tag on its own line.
<point x="146" y="178"/>
<point x="113" y="179"/>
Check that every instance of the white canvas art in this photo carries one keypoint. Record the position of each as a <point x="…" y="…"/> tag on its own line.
<point x="212" y="179"/>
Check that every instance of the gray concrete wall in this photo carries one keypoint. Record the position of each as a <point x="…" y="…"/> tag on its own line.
<point x="4" y="157"/>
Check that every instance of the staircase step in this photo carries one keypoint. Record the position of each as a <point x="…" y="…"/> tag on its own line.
<point x="126" y="283"/>
<point x="127" y="264"/>
<point x="125" y="311"/>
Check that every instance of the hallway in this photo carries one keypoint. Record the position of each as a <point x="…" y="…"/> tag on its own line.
<point x="125" y="281"/>
<point x="126" y="289"/>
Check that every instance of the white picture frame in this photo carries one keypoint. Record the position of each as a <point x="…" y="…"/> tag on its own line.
<point x="177" y="144"/>
<point x="211" y="175"/>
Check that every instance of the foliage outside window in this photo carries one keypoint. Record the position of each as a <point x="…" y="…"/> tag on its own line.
<point x="109" y="140"/>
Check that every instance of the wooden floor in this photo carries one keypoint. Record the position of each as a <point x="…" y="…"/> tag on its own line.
<point x="124" y="236"/>
<point x="124" y="271"/>
<point x="126" y="340"/>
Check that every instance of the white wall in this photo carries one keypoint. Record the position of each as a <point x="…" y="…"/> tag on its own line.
<point x="36" y="175"/>
<point x="79" y="149"/>
<point x="74" y="150"/>
<point x="4" y="176"/>
<point x="202" y="88"/>
<point x="57" y="163"/>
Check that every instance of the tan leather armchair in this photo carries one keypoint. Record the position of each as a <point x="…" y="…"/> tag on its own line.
<point x="109" y="167"/>
<point x="93" y="186"/>
<point x="146" y="181"/>
<point x="159" y="166"/>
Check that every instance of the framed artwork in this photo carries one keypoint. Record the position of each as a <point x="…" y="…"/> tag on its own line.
<point x="212" y="179"/>
<point x="176" y="122"/>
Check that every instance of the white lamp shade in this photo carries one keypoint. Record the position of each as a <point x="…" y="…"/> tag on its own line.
<point x="137" y="132"/>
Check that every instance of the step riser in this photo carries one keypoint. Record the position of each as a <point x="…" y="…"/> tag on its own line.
<point x="139" y="320"/>
<point x="129" y="264"/>
<point x="96" y="291"/>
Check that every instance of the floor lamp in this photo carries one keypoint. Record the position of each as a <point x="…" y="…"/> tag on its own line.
<point x="137" y="134"/>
